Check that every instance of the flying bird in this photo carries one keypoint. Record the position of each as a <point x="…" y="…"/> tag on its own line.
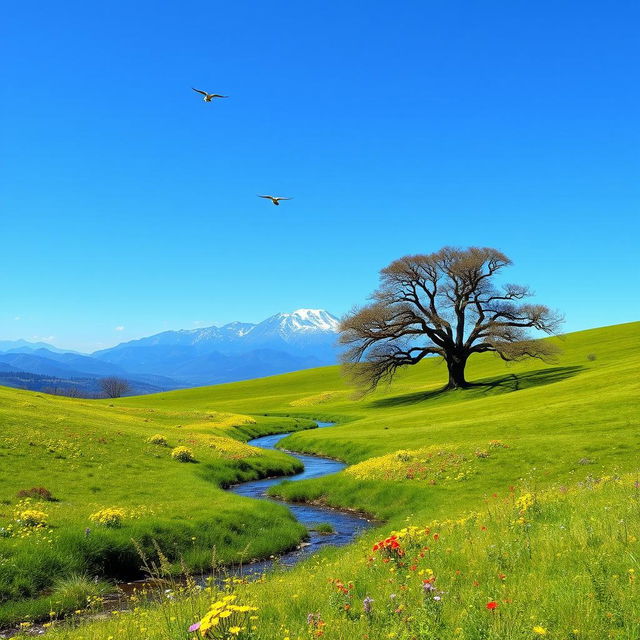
<point x="208" y="97"/>
<point x="275" y="199"/>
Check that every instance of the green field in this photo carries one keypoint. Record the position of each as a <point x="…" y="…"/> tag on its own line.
<point x="508" y="475"/>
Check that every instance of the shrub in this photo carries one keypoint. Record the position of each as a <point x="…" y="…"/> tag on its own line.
<point x="32" y="518"/>
<point x="158" y="439"/>
<point x="324" y="528"/>
<point x="110" y="517"/>
<point x="78" y="590"/>
<point x="183" y="454"/>
<point x="39" y="493"/>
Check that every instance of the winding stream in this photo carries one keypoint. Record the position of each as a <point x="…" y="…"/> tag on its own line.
<point x="345" y="525"/>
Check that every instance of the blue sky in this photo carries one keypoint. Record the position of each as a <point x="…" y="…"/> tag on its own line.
<point x="129" y="207"/>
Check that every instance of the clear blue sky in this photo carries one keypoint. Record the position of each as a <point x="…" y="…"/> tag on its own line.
<point x="398" y="128"/>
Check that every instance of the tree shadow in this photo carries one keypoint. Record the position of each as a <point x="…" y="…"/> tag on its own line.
<point x="486" y="386"/>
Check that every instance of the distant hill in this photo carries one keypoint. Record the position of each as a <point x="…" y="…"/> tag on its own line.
<point x="41" y="369"/>
<point x="24" y="346"/>
<point x="60" y="385"/>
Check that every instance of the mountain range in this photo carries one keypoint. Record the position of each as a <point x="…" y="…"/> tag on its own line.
<point x="174" y="359"/>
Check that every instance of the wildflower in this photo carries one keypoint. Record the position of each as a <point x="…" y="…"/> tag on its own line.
<point x="110" y="517"/>
<point x="428" y="586"/>
<point x="314" y="620"/>
<point x="367" y="605"/>
<point x="32" y="518"/>
<point x="182" y="454"/>
<point x="540" y="631"/>
<point x="220" y="614"/>
<point x="492" y="605"/>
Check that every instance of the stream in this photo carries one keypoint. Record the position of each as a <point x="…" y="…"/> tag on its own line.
<point x="346" y="526"/>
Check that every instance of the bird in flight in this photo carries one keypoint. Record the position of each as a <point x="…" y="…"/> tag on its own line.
<point x="208" y="97"/>
<point x="275" y="199"/>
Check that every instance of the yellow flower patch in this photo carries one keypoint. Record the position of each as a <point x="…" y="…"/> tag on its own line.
<point x="429" y="464"/>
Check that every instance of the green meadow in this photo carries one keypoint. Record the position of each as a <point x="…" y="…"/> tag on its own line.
<point x="515" y="501"/>
<point x="93" y="457"/>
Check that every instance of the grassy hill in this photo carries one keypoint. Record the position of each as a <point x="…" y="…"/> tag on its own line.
<point x="557" y="421"/>
<point x="460" y="463"/>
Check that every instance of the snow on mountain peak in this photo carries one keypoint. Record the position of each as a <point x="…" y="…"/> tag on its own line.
<point x="317" y="319"/>
<point x="297" y="325"/>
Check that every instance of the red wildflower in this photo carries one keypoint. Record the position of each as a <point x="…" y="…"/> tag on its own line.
<point x="492" y="605"/>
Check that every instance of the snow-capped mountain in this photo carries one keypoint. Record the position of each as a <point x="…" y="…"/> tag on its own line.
<point x="301" y="339"/>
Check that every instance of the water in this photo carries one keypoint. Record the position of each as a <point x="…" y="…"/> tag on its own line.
<point x="346" y="525"/>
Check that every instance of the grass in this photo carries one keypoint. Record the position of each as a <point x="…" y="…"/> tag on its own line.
<point x="422" y="457"/>
<point x="324" y="528"/>
<point x="93" y="457"/>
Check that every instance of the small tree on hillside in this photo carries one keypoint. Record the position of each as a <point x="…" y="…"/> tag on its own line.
<point x="444" y="304"/>
<point x="114" y="387"/>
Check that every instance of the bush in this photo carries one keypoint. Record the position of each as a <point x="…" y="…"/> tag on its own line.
<point x="32" y="518"/>
<point x="324" y="528"/>
<point x="183" y="454"/>
<point x="39" y="493"/>
<point x="110" y="517"/>
<point x="158" y="439"/>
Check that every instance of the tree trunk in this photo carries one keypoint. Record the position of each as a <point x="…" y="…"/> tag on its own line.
<point x="456" y="365"/>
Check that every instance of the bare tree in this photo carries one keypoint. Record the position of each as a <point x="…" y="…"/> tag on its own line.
<point x="72" y="391"/>
<point x="444" y="304"/>
<point x="114" y="387"/>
